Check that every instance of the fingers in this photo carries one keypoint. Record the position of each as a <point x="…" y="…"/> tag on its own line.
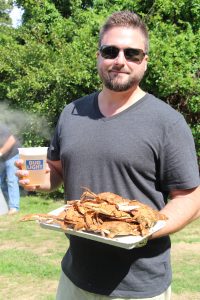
<point x="142" y="243"/>
<point x="19" y="163"/>
<point x="31" y="188"/>
<point x="24" y="181"/>
<point x="22" y="174"/>
<point x="47" y="170"/>
<point x="23" y="177"/>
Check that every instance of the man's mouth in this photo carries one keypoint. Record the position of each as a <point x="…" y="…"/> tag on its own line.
<point x="118" y="71"/>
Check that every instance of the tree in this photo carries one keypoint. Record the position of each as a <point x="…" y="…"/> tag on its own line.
<point x="5" y="9"/>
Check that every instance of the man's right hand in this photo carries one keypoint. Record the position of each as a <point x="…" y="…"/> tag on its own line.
<point x="52" y="181"/>
<point x="23" y="176"/>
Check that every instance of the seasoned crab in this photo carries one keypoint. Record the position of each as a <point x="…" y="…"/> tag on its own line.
<point x="105" y="213"/>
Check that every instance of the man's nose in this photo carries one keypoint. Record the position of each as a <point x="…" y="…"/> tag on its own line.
<point x="120" y="59"/>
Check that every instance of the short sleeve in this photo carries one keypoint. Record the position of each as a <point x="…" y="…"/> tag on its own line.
<point x="53" y="152"/>
<point x="179" y="167"/>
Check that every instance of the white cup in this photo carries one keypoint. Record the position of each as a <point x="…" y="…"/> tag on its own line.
<point x="34" y="160"/>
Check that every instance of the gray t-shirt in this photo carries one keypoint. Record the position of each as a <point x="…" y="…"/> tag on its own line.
<point x="141" y="153"/>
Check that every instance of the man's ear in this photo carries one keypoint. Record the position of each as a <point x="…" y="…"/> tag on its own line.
<point x="145" y="68"/>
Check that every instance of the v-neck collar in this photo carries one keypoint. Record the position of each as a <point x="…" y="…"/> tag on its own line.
<point x="104" y="118"/>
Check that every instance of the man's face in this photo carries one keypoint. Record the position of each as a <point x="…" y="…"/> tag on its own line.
<point x="121" y="74"/>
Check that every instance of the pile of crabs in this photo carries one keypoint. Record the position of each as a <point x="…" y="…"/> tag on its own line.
<point x="105" y="213"/>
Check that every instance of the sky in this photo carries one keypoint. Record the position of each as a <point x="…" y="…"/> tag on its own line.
<point x="15" y="15"/>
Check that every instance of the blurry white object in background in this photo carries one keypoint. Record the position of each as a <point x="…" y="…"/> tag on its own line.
<point x="3" y="204"/>
<point x="16" y="16"/>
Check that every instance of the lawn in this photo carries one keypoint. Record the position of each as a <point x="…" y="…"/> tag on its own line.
<point x="30" y="256"/>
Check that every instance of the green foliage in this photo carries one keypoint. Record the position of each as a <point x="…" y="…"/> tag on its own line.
<point x="51" y="59"/>
<point x="5" y="9"/>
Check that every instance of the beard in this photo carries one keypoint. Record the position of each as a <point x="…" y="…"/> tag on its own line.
<point x="117" y="84"/>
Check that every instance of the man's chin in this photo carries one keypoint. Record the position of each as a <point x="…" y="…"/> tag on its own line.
<point x="118" y="87"/>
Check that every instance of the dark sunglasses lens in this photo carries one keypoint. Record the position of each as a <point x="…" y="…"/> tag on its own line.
<point x="109" y="52"/>
<point x="134" y="54"/>
<point x="131" y="54"/>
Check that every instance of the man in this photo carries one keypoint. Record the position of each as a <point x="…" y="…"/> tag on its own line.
<point x="126" y="141"/>
<point x="8" y="180"/>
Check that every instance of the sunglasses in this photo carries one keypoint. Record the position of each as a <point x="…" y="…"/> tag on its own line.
<point x="131" y="54"/>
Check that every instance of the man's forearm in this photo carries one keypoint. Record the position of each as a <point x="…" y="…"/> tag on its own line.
<point x="8" y="145"/>
<point x="181" y="210"/>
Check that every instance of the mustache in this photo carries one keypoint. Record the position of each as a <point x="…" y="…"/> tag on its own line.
<point x="117" y="68"/>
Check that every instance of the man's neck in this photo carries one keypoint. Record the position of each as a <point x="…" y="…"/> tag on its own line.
<point x="111" y="103"/>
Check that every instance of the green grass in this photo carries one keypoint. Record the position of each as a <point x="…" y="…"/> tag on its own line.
<point x="185" y="260"/>
<point x="30" y="256"/>
<point x="190" y="234"/>
<point x="23" y="262"/>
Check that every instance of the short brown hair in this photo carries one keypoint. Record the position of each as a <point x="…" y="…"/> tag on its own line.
<point x="125" y="19"/>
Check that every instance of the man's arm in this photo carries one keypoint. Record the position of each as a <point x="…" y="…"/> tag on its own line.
<point x="182" y="209"/>
<point x="8" y="145"/>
